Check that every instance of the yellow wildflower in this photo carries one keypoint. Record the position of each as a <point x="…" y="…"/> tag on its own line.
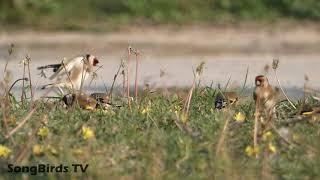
<point x="145" y="110"/>
<point x="52" y="150"/>
<point x="267" y="136"/>
<point x="250" y="151"/>
<point x="307" y="113"/>
<point x="43" y="132"/>
<point x="87" y="133"/>
<point x="184" y="118"/>
<point x="177" y="108"/>
<point x="296" y="137"/>
<point x="12" y="120"/>
<point x="78" y="151"/>
<point x="38" y="150"/>
<point x="272" y="148"/>
<point x="239" y="117"/>
<point x="4" y="151"/>
<point x="88" y="107"/>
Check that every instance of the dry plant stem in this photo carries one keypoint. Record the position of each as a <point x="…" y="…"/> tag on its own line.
<point x="136" y="78"/>
<point x="276" y="76"/>
<point x="5" y="67"/>
<point x="30" y="82"/>
<point x="225" y="88"/>
<point x="189" y="96"/>
<point x="245" y="80"/>
<point x="25" y="119"/>
<point x="123" y="83"/>
<point x="20" y="124"/>
<point x="94" y="73"/>
<point x="256" y="125"/>
<point x="148" y="115"/>
<point x="266" y="172"/>
<point x="222" y="137"/>
<point x="65" y="69"/>
<point x="6" y="95"/>
<point x="114" y="80"/>
<point x="22" y="154"/>
<point x="4" y="114"/>
<point x="82" y="76"/>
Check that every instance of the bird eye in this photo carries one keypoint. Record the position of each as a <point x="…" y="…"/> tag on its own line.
<point x="95" y="61"/>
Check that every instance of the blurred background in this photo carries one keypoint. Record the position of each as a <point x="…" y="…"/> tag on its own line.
<point x="100" y="14"/>
<point x="172" y="35"/>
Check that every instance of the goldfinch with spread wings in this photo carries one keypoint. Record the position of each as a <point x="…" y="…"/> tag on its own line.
<point x="71" y="73"/>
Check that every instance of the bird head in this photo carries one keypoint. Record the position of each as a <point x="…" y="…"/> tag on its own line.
<point x="261" y="81"/>
<point x="92" y="59"/>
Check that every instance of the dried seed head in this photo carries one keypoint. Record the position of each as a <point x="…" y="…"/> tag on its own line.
<point x="11" y="48"/>
<point x="94" y="75"/>
<point x="162" y="73"/>
<point x="7" y="77"/>
<point x="23" y="62"/>
<point x="275" y="64"/>
<point x="200" y="67"/>
<point x="122" y="64"/>
<point x="28" y="59"/>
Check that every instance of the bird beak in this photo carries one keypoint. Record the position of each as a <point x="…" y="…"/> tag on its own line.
<point x="95" y="61"/>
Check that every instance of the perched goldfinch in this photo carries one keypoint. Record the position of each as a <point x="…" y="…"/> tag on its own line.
<point x="103" y="101"/>
<point x="226" y="98"/>
<point x="83" y="100"/>
<point x="264" y="94"/>
<point x="312" y="112"/>
<point x="71" y="73"/>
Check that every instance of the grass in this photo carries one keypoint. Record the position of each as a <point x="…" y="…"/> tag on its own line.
<point x="145" y="142"/>
<point x="169" y="134"/>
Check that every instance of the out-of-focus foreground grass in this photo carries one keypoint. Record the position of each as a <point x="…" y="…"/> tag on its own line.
<point x="105" y="14"/>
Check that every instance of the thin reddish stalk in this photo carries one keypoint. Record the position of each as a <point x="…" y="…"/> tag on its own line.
<point x="128" y="84"/>
<point x="136" y="79"/>
<point x="123" y="83"/>
<point x="114" y="80"/>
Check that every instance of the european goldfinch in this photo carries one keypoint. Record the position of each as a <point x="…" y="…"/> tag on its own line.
<point x="71" y="73"/>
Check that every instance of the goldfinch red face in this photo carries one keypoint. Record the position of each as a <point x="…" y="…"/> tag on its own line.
<point x="92" y="60"/>
<point x="261" y="81"/>
<point x="95" y="61"/>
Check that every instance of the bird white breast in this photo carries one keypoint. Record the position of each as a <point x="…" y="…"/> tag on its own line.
<point x="78" y="75"/>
